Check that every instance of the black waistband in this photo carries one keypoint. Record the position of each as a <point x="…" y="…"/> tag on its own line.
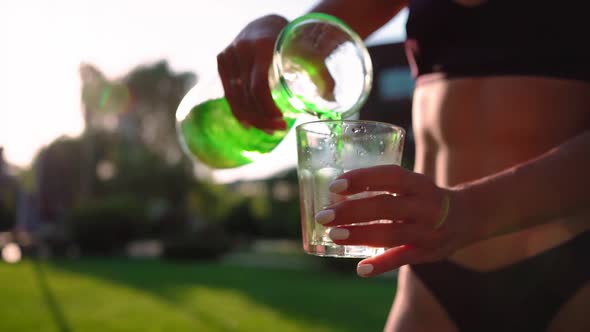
<point x="499" y="37"/>
<point x="500" y="62"/>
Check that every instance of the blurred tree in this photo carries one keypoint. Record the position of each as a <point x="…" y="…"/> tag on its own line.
<point x="130" y="138"/>
<point x="129" y="160"/>
<point x="117" y="169"/>
<point x="285" y="211"/>
<point x="57" y="173"/>
<point x="213" y="201"/>
<point x="105" y="226"/>
<point x="242" y="221"/>
<point x="7" y="213"/>
<point x="8" y="192"/>
<point x="140" y="107"/>
<point x="156" y="92"/>
<point x="162" y="187"/>
<point x="268" y="209"/>
<point x="7" y="210"/>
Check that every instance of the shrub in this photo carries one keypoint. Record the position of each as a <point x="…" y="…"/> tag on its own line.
<point x="105" y="226"/>
<point x="209" y="242"/>
<point x="7" y="218"/>
<point x="7" y="211"/>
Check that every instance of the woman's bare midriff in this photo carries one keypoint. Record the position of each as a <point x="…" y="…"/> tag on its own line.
<point x="473" y="127"/>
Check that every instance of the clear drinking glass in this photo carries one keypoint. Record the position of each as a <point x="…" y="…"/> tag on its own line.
<point x="326" y="150"/>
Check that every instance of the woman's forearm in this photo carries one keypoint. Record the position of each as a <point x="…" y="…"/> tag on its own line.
<point x="363" y="16"/>
<point x="553" y="185"/>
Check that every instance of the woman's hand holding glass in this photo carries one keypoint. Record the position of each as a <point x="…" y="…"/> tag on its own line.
<point x="425" y="223"/>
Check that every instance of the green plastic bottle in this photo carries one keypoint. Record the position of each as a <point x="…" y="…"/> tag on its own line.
<point x="330" y="82"/>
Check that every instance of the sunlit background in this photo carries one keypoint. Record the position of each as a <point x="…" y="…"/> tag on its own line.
<point x="44" y="43"/>
<point x="105" y="225"/>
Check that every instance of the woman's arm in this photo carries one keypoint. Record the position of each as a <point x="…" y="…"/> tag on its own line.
<point x="553" y="185"/>
<point x="363" y="16"/>
<point x="243" y="65"/>
<point x="427" y="228"/>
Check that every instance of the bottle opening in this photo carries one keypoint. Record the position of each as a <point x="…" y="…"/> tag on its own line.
<point x="321" y="67"/>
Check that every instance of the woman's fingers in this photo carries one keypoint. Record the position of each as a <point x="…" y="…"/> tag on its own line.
<point x="379" y="235"/>
<point x="243" y="67"/>
<point x="244" y="56"/>
<point x="390" y="260"/>
<point x="391" y="178"/>
<point x="232" y="80"/>
<point x="268" y="114"/>
<point x="419" y="200"/>
<point x="379" y="207"/>
<point x="244" y="74"/>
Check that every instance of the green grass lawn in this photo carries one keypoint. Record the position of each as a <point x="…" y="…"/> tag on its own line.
<point x="148" y="295"/>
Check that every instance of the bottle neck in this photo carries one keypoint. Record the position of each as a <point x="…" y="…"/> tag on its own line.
<point x="296" y="91"/>
<point x="319" y="67"/>
<point x="282" y="96"/>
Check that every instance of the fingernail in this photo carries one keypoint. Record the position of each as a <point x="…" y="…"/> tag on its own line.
<point x="339" y="234"/>
<point x="338" y="185"/>
<point x="364" y="269"/>
<point x="325" y="216"/>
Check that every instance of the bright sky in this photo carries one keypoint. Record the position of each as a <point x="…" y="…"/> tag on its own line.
<point x="43" y="43"/>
